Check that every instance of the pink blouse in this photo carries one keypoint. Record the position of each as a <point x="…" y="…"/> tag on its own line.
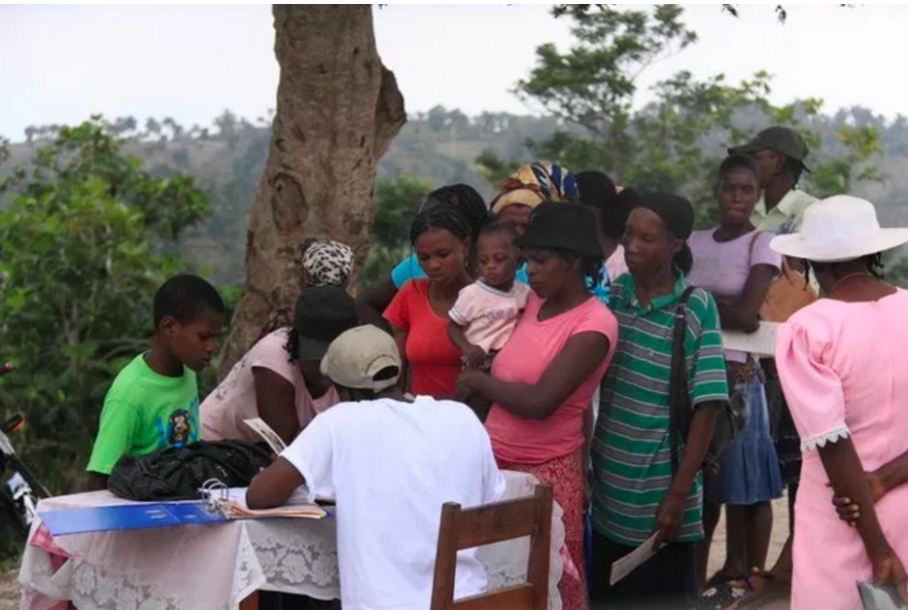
<point x="524" y="358"/>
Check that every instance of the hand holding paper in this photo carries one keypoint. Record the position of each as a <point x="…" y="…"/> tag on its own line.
<point x="633" y="560"/>
<point x="267" y="433"/>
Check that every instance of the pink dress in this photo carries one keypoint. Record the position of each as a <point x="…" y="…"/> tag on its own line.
<point x="844" y="371"/>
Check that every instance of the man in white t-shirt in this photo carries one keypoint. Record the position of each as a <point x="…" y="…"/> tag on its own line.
<point x="390" y="464"/>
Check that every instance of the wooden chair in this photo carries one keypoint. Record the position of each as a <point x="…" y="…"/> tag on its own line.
<point x="464" y="529"/>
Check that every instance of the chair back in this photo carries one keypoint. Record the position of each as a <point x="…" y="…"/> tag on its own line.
<point x="465" y="529"/>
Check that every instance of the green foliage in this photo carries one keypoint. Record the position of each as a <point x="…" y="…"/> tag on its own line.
<point x="396" y="203"/>
<point x="675" y="142"/>
<point x="81" y="242"/>
<point x="838" y="175"/>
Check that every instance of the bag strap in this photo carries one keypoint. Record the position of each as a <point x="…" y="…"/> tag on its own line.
<point x="678" y="397"/>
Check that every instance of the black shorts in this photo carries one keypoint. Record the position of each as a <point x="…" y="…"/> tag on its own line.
<point x="668" y="580"/>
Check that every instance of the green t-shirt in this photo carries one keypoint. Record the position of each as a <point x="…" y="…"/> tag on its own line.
<point x="632" y="447"/>
<point x="143" y="412"/>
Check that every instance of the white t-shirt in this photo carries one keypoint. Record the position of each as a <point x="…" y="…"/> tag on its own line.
<point x="390" y="466"/>
<point x="224" y="410"/>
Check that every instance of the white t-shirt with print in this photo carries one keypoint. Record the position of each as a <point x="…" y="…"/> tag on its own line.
<point x="390" y="466"/>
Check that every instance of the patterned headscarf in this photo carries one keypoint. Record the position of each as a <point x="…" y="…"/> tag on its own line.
<point x="532" y="184"/>
<point x="328" y="263"/>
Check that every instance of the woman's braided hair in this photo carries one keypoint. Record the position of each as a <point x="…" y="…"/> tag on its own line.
<point x="448" y="218"/>
<point x="466" y="200"/>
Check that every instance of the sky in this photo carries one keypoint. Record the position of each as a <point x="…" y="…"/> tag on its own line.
<point x="60" y="64"/>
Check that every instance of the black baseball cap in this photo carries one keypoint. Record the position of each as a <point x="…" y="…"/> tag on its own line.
<point x="782" y="140"/>
<point x="564" y="226"/>
<point x="322" y="314"/>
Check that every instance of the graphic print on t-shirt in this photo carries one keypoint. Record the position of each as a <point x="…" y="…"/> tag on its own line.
<point x="180" y="429"/>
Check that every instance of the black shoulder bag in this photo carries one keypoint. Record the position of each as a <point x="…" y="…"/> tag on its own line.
<point x="727" y="428"/>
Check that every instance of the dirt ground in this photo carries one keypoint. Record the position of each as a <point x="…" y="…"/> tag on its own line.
<point x="9" y="588"/>
<point x="9" y="591"/>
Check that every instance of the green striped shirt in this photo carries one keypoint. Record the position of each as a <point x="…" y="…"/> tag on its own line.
<point x="631" y="447"/>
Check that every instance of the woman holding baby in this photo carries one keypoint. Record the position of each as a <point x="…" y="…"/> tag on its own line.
<point x="543" y="379"/>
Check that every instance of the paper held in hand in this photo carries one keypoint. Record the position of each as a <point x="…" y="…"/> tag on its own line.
<point x="268" y="435"/>
<point x="633" y="560"/>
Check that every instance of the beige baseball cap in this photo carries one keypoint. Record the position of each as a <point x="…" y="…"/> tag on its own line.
<point x="358" y="355"/>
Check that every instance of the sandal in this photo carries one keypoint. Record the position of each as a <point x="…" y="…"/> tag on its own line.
<point x="720" y="578"/>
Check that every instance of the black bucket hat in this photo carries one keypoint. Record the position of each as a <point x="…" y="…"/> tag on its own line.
<point x="563" y="226"/>
<point x="322" y="314"/>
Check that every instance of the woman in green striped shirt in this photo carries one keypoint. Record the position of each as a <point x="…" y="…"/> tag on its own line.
<point x="636" y="492"/>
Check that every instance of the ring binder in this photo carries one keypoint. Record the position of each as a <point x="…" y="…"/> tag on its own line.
<point x="218" y="499"/>
<point x="216" y="496"/>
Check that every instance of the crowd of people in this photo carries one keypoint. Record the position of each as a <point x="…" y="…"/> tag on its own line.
<point x="540" y="333"/>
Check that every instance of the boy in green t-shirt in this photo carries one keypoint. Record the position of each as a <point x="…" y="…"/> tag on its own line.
<point x="154" y="401"/>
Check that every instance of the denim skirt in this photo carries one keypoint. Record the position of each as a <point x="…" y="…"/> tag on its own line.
<point x="748" y="468"/>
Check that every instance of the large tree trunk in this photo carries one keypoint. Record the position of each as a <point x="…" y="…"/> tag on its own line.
<point x="338" y="109"/>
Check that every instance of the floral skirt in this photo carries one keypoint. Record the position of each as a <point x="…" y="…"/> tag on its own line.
<point x="565" y="474"/>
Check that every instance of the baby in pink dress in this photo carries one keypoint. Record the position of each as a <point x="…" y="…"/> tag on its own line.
<point x="486" y="312"/>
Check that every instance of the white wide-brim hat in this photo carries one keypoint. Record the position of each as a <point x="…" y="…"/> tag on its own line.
<point x="840" y="228"/>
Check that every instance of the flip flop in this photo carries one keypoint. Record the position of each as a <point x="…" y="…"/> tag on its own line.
<point x="720" y="578"/>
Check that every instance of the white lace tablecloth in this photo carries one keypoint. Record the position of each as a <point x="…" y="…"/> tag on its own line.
<point x="214" y="567"/>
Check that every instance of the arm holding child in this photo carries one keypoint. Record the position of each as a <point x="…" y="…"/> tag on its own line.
<point x="475" y="355"/>
<point x="576" y="361"/>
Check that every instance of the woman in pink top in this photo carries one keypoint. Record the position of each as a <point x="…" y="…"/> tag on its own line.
<point x="844" y="371"/>
<point x="279" y="379"/>
<point x="542" y="381"/>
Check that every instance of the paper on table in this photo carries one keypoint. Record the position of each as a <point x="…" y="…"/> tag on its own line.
<point x="235" y="510"/>
<point x="232" y="504"/>
<point x="633" y="560"/>
<point x="264" y="430"/>
<point x="761" y="343"/>
<point x="299" y="497"/>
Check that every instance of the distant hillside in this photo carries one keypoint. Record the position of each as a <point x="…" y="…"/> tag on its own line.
<point x="440" y="145"/>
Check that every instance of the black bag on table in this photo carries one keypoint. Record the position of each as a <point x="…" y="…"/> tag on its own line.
<point x="177" y="473"/>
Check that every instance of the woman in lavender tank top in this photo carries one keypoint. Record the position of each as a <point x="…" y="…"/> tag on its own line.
<point x="734" y="262"/>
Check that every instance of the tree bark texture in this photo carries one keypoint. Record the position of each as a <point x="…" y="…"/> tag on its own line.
<point x="338" y="109"/>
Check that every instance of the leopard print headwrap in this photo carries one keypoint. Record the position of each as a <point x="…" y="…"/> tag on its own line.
<point x="328" y="263"/>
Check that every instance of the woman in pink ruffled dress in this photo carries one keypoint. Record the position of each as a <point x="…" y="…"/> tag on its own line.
<point x="843" y="363"/>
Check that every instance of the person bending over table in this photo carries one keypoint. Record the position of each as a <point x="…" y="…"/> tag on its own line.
<point x="390" y="464"/>
<point x="278" y="379"/>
